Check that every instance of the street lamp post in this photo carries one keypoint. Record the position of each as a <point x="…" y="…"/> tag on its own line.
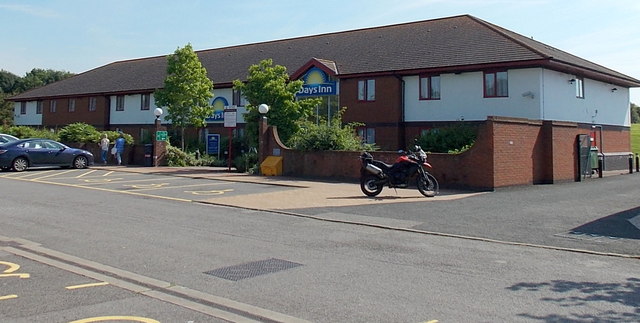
<point x="263" y="126"/>
<point x="157" y="149"/>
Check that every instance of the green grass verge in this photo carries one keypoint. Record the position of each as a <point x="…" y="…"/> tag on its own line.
<point x="635" y="138"/>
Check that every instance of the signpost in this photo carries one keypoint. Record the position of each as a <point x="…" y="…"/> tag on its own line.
<point x="230" y="121"/>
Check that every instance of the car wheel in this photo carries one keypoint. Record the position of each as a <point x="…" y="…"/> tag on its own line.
<point x="80" y="162"/>
<point x="20" y="164"/>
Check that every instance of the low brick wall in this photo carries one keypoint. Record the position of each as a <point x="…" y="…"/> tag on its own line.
<point x="508" y="151"/>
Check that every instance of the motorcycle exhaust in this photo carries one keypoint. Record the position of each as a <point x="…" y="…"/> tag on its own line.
<point x="373" y="169"/>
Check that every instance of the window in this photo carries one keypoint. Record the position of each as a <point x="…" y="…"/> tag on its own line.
<point x="237" y="98"/>
<point x="430" y="87"/>
<point x="39" y="107"/>
<point x="92" y="103"/>
<point x="52" y="105"/>
<point x="367" y="135"/>
<point x="23" y="107"/>
<point x="144" y="101"/>
<point x="120" y="103"/>
<point x="72" y="105"/>
<point x="579" y="88"/>
<point x="367" y="90"/>
<point x="496" y="84"/>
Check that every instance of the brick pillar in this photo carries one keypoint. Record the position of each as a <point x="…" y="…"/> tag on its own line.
<point x="263" y="139"/>
<point x="159" y="147"/>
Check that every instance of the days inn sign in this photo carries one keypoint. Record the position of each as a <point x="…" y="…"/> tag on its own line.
<point x="317" y="83"/>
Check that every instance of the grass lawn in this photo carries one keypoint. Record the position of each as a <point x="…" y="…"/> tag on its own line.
<point x="635" y="138"/>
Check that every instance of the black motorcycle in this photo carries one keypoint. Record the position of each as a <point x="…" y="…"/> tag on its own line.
<point x="375" y="174"/>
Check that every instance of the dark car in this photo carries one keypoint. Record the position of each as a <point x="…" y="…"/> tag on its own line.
<point x="24" y="153"/>
<point x="4" y="138"/>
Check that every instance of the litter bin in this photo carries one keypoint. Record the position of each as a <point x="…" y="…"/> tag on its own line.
<point x="593" y="157"/>
<point x="148" y="155"/>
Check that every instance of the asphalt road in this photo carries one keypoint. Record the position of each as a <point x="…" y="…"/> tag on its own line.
<point x="165" y="257"/>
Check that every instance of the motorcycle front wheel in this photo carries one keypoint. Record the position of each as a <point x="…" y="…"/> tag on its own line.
<point x="369" y="185"/>
<point x="428" y="185"/>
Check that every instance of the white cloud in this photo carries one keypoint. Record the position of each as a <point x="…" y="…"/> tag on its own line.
<point x="31" y="10"/>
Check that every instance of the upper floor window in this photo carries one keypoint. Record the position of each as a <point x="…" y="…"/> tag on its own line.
<point x="120" y="103"/>
<point x="72" y="105"/>
<point x="23" y="107"/>
<point x="39" y="107"/>
<point x="430" y="87"/>
<point x="145" y="100"/>
<point x="52" y="105"/>
<point x="367" y="90"/>
<point x="237" y="98"/>
<point x="579" y="82"/>
<point x="496" y="84"/>
<point x="92" y="103"/>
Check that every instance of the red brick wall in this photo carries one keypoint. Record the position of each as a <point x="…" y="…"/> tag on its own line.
<point x="63" y="117"/>
<point x="384" y="114"/>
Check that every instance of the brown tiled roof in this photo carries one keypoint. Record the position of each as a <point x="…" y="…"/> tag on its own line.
<point x="459" y="43"/>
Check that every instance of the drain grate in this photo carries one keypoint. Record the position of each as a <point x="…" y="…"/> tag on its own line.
<point x="252" y="269"/>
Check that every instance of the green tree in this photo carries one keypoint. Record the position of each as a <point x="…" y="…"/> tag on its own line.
<point x="38" y="77"/>
<point x="635" y="113"/>
<point x="270" y="85"/>
<point x="187" y="91"/>
<point x="6" y="110"/>
<point x="8" y="82"/>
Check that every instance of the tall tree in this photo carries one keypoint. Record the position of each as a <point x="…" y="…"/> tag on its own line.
<point x="38" y="77"/>
<point x="635" y="113"/>
<point x="8" y="81"/>
<point x="270" y="85"/>
<point x="187" y="91"/>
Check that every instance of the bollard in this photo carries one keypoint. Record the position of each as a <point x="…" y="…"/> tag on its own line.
<point x="630" y="163"/>
<point x="600" y="167"/>
<point x="637" y="163"/>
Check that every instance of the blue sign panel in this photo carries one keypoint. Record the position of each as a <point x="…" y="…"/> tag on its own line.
<point x="218" y="110"/>
<point x="317" y="83"/>
<point x="213" y="144"/>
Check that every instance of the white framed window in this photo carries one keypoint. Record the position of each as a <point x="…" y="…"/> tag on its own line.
<point x="367" y="90"/>
<point x="93" y="101"/>
<point x="367" y="135"/>
<point x="39" y="107"/>
<point x="52" y="106"/>
<point x="579" y="87"/>
<point x="72" y="105"/>
<point x="23" y="107"/>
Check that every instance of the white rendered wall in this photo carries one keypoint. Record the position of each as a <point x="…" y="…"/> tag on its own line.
<point x="534" y="93"/>
<point x="28" y="119"/>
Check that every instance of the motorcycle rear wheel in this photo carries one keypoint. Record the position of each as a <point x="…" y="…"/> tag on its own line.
<point x="428" y="185"/>
<point x="369" y="185"/>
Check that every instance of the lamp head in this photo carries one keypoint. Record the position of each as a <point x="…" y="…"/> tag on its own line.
<point x="263" y="108"/>
<point x="157" y="112"/>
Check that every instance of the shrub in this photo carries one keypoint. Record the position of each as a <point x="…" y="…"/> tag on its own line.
<point x="179" y="158"/>
<point x="24" y="132"/>
<point x="328" y="136"/>
<point x="79" y="132"/>
<point x="453" y="140"/>
<point x="246" y="162"/>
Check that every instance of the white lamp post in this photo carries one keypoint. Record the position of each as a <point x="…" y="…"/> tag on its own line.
<point x="158" y="112"/>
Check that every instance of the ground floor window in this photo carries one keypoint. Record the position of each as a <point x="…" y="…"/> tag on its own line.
<point x="327" y="109"/>
<point x="368" y="135"/>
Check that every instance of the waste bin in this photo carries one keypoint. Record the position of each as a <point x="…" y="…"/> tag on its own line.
<point x="593" y="157"/>
<point x="148" y="155"/>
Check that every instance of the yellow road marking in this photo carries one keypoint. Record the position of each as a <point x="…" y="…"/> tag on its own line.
<point x="85" y="173"/>
<point x="101" y="180"/>
<point x="108" y="173"/>
<point x="24" y="174"/>
<point x="87" y="285"/>
<point x="2" y="298"/>
<point x="212" y="192"/>
<point x="23" y="276"/>
<point x="147" y="186"/>
<point x="108" y="190"/>
<point x="52" y="175"/>
<point x="113" y="180"/>
<point x="180" y="186"/>
<point x="116" y="318"/>
<point x="11" y="267"/>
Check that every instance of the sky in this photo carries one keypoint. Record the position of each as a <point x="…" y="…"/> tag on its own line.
<point x="79" y="35"/>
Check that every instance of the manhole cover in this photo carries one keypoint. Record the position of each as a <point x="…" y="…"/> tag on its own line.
<point x="252" y="269"/>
